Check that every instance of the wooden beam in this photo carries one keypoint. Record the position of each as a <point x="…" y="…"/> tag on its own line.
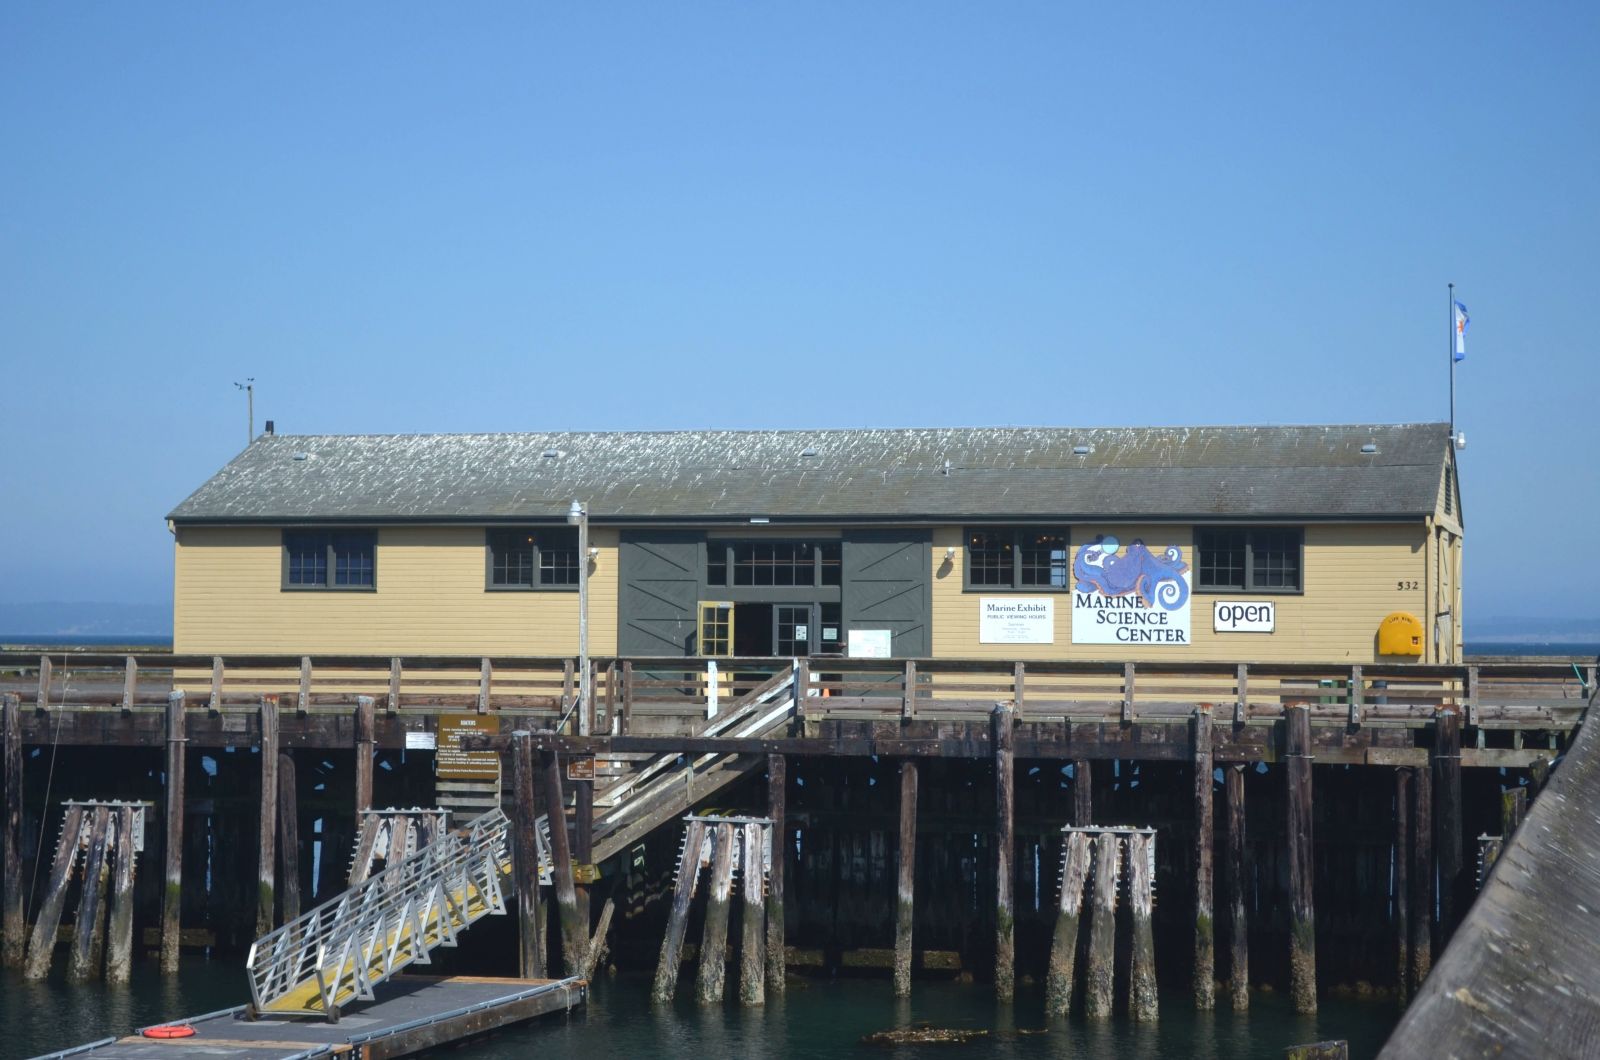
<point x="1421" y="877"/>
<point x="777" y="784"/>
<point x="88" y="936"/>
<point x="172" y="896"/>
<point x="119" y="940"/>
<point x="574" y="932"/>
<point x="1238" y="892"/>
<point x="1302" y="907"/>
<point x="267" y="826"/>
<point x="1205" y="998"/>
<point x="1454" y="894"/>
<point x="1142" y="972"/>
<point x="303" y="699"/>
<point x="41" y="947"/>
<point x="714" y="937"/>
<point x="288" y="836"/>
<point x="1099" y="980"/>
<point x="1082" y="793"/>
<point x="1001" y="724"/>
<point x="365" y="748"/>
<point x="530" y="941"/>
<point x="1402" y="892"/>
<point x="752" y="918"/>
<point x="1076" y="856"/>
<point x="906" y="854"/>
<point x="666" y="981"/>
<point x="13" y="923"/>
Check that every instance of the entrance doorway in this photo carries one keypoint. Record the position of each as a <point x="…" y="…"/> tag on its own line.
<point x="785" y="630"/>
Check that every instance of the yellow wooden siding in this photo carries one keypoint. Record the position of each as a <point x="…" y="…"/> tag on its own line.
<point x="1353" y="577"/>
<point x="1448" y="486"/>
<point x="430" y="599"/>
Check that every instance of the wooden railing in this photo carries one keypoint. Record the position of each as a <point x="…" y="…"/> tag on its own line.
<point x="545" y="689"/>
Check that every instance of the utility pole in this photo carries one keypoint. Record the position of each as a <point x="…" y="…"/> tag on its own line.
<point x="249" y="388"/>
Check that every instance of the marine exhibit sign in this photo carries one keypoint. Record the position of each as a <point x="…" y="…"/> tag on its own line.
<point x="1009" y="620"/>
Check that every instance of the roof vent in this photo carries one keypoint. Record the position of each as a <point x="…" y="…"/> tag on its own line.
<point x="302" y="456"/>
<point x="271" y="428"/>
<point x="1082" y="450"/>
<point x="552" y="454"/>
<point x="1370" y="448"/>
<point x="809" y="450"/>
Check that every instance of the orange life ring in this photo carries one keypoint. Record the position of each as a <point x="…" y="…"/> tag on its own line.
<point x="170" y="1030"/>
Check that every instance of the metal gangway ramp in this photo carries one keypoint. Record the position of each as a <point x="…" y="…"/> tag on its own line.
<point x="339" y="951"/>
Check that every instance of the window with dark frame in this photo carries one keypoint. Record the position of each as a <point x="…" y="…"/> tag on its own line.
<point x="1257" y="559"/>
<point x="533" y="558"/>
<point x="768" y="563"/>
<point x="1019" y="558"/>
<point x="330" y="559"/>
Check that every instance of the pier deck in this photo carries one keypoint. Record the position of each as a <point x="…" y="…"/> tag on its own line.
<point x="414" y="1013"/>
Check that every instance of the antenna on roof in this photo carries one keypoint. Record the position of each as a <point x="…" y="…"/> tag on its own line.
<point x="249" y="388"/>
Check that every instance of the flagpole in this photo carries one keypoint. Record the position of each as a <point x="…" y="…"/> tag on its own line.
<point x="1450" y="354"/>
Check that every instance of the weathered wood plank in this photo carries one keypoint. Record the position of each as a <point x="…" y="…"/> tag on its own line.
<point x="777" y="807"/>
<point x="1076" y="856"/>
<point x="1204" y="932"/>
<point x="1238" y="892"/>
<point x="1005" y="850"/>
<point x="1302" y="908"/>
<point x="172" y="896"/>
<point x="906" y="862"/>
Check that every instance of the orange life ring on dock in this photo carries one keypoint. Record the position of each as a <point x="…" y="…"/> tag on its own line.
<point x="171" y="1030"/>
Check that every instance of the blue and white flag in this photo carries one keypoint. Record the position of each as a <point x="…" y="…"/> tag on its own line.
<point x="1462" y="320"/>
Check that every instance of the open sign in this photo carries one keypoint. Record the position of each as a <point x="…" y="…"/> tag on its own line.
<point x="1244" y="616"/>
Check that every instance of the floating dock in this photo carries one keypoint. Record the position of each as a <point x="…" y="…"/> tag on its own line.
<point x="414" y="1013"/>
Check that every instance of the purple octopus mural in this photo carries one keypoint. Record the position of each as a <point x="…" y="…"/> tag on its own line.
<point x="1104" y="566"/>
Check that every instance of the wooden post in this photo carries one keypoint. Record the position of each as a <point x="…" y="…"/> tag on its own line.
<point x="525" y="824"/>
<point x="1447" y="819"/>
<point x="908" y="698"/>
<point x="1302" y="907"/>
<point x="214" y="703"/>
<point x="627" y="697"/>
<point x="12" y="922"/>
<point x="1004" y="850"/>
<point x="1339" y="1050"/>
<point x="907" y="855"/>
<point x="611" y="696"/>
<point x="1127" y="693"/>
<point x="574" y="933"/>
<point x="666" y="981"/>
<point x="288" y="836"/>
<point x="130" y="683"/>
<point x="1241" y="702"/>
<point x="394" y="685"/>
<point x="88" y="936"/>
<point x="366" y="743"/>
<point x="485" y="680"/>
<point x="1142" y="974"/>
<point x="119" y="943"/>
<point x="1238" y="892"/>
<point x="1356" y="690"/>
<point x="777" y="780"/>
<point x="43" y="943"/>
<point x="1019" y="677"/>
<point x="1421" y="877"/>
<point x="583" y="840"/>
<point x="1075" y="857"/>
<point x="45" y="669"/>
<point x="1402" y="892"/>
<point x="752" y="918"/>
<point x="1099" y="976"/>
<point x="172" y="896"/>
<point x="1082" y="793"/>
<point x="1205" y="995"/>
<point x="714" y="938"/>
<point x="1513" y="808"/>
<point x="267" y="861"/>
<point x="302" y="701"/>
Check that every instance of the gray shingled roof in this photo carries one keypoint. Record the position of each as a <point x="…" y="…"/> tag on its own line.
<point x="1000" y="472"/>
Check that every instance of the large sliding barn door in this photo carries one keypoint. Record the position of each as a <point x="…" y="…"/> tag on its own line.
<point x="659" y="572"/>
<point x="886" y="586"/>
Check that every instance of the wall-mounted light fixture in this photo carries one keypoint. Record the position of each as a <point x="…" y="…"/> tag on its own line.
<point x="950" y="553"/>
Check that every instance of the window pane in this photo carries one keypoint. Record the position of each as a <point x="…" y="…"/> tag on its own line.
<point x="1044" y="559"/>
<point x="511" y="557"/>
<point x="989" y="558"/>
<point x="352" y="558"/>
<point x="829" y="551"/>
<point x="717" y="563"/>
<point x="308" y="558"/>
<point x="773" y="563"/>
<point x="1221" y="559"/>
<point x="558" y="556"/>
<point x="1275" y="559"/>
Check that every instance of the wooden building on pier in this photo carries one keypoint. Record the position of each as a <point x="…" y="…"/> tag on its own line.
<point x="1336" y="544"/>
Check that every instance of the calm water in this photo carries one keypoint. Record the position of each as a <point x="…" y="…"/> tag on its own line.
<point x="818" y="1018"/>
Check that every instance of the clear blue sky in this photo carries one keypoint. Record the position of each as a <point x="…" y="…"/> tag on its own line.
<point x="424" y="217"/>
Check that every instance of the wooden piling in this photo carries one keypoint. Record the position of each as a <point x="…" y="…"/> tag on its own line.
<point x="1205" y="996"/>
<point x="1076" y="856"/>
<point x="714" y="938"/>
<point x="752" y="918"/>
<point x="1402" y="889"/>
<point x="777" y="780"/>
<point x="88" y="936"/>
<point x="172" y="896"/>
<point x="1099" y="975"/>
<point x="907" y="865"/>
<point x="666" y="981"/>
<point x="1337" y="1050"/>
<point x="574" y="932"/>
<point x="1302" y="907"/>
<point x="288" y="837"/>
<point x="1513" y="808"/>
<point x="41" y="947"/>
<point x="1446" y="762"/>
<point x="1238" y="892"/>
<point x="1421" y="877"/>
<point x="1142" y="973"/>
<point x="525" y="825"/>
<point x="1005" y="850"/>
<point x="1082" y="793"/>
<point x="13" y="922"/>
<point x="267" y="832"/>
<point x="366" y="744"/>
<point x="119" y="941"/>
<point x="583" y="838"/>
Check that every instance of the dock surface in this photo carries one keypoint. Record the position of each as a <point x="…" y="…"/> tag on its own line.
<point x="413" y="1013"/>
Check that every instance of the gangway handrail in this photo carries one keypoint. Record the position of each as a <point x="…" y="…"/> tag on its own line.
<point x="356" y="940"/>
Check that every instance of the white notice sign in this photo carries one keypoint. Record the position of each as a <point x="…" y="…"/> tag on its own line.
<point x="1129" y="594"/>
<point x="1244" y="616"/>
<point x="421" y="741"/>
<point x="871" y="643"/>
<point x="1016" y="620"/>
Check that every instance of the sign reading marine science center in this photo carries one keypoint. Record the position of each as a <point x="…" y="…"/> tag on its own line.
<point x="1129" y="594"/>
